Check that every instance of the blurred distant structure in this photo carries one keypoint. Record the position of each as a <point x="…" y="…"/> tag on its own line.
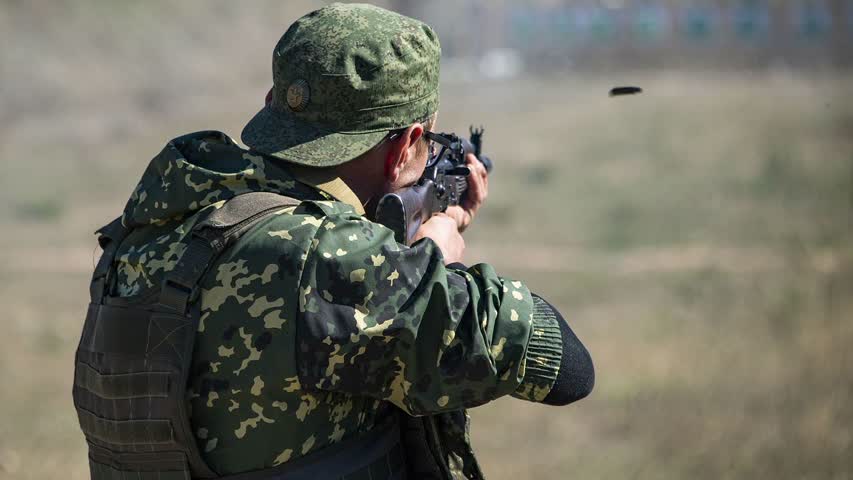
<point x="646" y="33"/>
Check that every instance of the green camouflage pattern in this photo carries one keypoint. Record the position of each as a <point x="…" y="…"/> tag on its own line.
<point x="316" y="326"/>
<point x="343" y="76"/>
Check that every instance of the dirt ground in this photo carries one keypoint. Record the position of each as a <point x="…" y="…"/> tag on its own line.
<point x="698" y="236"/>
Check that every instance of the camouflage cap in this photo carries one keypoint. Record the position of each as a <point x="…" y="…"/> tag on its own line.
<point x="343" y="76"/>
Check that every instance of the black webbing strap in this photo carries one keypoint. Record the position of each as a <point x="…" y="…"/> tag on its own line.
<point x="126" y="432"/>
<point x="110" y="237"/>
<point x="211" y="237"/>
<point x="122" y="386"/>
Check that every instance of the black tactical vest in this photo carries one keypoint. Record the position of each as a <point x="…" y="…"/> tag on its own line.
<point x="134" y="358"/>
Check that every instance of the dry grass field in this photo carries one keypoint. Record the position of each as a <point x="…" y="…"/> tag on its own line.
<point x="698" y="236"/>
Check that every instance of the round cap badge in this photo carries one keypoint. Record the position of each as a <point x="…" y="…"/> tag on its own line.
<point x="298" y="95"/>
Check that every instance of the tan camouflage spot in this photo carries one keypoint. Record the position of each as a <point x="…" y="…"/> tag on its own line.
<point x="330" y="225"/>
<point x="327" y="296"/>
<point x="225" y="351"/>
<point x="211" y="396"/>
<point x="361" y="351"/>
<point x="341" y="411"/>
<point x="334" y="359"/>
<point x="341" y="252"/>
<point x="357" y="275"/>
<point x="394" y="276"/>
<point x="337" y="434"/>
<point x="231" y="277"/>
<point x="540" y="392"/>
<point x="263" y="304"/>
<point x="379" y="328"/>
<point x="283" y="457"/>
<point x="497" y="349"/>
<point x="203" y="147"/>
<point x="282" y="234"/>
<point x="254" y="353"/>
<point x="516" y="284"/>
<point x="360" y="314"/>
<point x="352" y="238"/>
<point x="201" y="321"/>
<point x="327" y="340"/>
<point x="312" y="221"/>
<point x="513" y="315"/>
<point x="266" y="277"/>
<point x="235" y="183"/>
<point x="306" y="447"/>
<point x="517" y="295"/>
<point x="214" y="366"/>
<point x="308" y="404"/>
<point x="198" y="187"/>
<point x="211" y="445"/>
<point x="252" y="422"/>
<point x="235" y="391"/>
<point x="314" y="243"/>
<point x="327" y="255"/>
<point x="292" y="385"/>
<point x="234" y="405"/>
<point x="399" y="385"/>
<point x="303" y="299"/>
<point x="280" y="405"/>
<point x="442" y="401"/>
<point x="273" y="319"/>
<point x="257" y="386"/>
<point x="448" y="337"/>
<point x="505" y="289"/>
<point x="377" y="260"/>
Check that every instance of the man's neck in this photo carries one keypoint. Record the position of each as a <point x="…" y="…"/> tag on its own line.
<point x="362" y="181"/>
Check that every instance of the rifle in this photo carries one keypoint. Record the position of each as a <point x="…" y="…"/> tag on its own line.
<point x="443" y="184"/>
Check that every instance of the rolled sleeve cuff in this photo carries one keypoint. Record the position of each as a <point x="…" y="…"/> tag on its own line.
<point x="544" y="354"/>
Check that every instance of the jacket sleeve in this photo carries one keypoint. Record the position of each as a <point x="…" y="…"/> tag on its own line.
<point x="382" y="320"/>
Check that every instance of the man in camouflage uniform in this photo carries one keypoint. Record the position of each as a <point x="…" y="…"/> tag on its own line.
<point x="317" y="326"/>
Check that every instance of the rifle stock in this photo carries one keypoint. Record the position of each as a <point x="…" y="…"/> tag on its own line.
<point x="404" y="212"/>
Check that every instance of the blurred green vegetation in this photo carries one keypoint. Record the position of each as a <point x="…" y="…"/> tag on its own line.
<point x="698" y="236"/>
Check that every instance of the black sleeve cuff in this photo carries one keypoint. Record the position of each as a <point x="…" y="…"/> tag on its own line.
<point x="576" y="377"/>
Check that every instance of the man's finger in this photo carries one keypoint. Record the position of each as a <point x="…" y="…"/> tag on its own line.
<point x="459" y="215"/>
<point x="476" y="185"/>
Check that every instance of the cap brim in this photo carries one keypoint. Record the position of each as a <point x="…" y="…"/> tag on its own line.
<point x="282" y="135"/>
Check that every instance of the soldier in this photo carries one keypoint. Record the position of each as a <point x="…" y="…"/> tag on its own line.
<point x="248" y="318"/>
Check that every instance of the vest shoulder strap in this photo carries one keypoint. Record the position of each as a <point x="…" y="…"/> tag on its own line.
<point x="109" y="238"/>
<point x="210" y="237"/>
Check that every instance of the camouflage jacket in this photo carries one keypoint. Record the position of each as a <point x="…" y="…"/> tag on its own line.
<point x="317" y="325"/>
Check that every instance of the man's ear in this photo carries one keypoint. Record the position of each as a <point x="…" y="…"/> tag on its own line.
<point x="401" y="151"/>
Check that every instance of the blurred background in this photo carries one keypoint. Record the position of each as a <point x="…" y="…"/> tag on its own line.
<point x="697" y="236"/>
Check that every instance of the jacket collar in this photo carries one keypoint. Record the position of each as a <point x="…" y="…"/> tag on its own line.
<point x="325" y="180"/>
